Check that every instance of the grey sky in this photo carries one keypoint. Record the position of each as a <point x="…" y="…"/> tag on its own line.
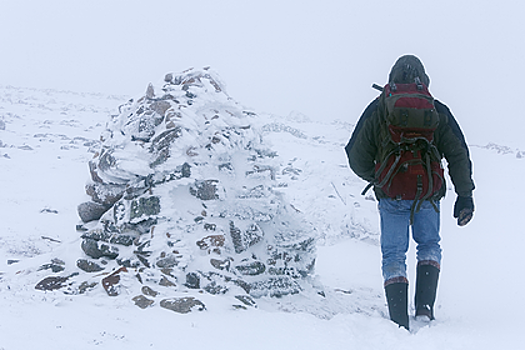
<point x="315" y="57"/>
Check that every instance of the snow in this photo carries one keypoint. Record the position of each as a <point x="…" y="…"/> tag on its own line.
<point x="50" y="136"/>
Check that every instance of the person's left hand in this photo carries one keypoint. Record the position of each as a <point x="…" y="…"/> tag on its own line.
<point x="464" y="210"/>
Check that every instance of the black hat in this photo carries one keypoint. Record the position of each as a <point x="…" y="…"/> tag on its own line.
<point x="406" y="69"/>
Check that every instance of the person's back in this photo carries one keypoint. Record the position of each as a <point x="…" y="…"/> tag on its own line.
<point x="397" y="146"/>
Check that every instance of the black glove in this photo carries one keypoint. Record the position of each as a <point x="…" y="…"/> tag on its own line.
<point x="463" y="210"/>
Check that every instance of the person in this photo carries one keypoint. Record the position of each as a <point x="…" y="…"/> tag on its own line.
<point x="366" y="152"/>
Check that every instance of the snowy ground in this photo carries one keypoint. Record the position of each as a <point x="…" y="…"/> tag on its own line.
<point x="46" y="140"/>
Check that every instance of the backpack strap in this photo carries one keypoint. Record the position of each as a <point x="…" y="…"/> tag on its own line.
<point x="417" y="199"/>
<point x="416" y="206"/>
<point x="380" y="170"/>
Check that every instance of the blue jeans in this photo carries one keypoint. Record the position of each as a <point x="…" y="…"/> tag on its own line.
<point x="395" y="225"/>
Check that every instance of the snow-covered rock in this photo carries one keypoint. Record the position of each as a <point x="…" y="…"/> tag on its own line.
<point x="184" y="196"/>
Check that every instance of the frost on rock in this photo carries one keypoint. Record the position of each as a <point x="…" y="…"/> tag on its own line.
<point x="184" y="196"/>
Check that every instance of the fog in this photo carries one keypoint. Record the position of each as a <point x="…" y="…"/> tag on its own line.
<point x="316" y="58"/>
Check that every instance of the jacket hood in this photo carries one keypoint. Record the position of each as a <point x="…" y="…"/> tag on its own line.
<point x="406" y="69"/>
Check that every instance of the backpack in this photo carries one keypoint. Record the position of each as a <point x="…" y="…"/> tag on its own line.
<point x="410" y="164"/>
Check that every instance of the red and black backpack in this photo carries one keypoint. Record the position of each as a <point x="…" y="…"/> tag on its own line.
<point x="410" y="164"/>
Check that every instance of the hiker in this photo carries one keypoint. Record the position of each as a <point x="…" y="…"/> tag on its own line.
<point x="398" y="146"/>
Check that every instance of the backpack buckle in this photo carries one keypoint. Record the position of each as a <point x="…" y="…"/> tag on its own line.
<point x="393" y="87"/>
<point x="419" y="84"/>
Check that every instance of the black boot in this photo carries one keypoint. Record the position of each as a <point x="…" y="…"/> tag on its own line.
<point x="396" y="296"/>
<point x="426" y="287"/>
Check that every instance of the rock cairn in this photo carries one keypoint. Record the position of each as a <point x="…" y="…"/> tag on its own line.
<point x="185" y="197"/>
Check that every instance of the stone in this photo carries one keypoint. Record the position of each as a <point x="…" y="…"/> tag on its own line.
<point x="160" y="107"/>
<point x="221" y="264"/>
<point x="86" y="286"/>
<point x="275" y="287"/>
<point x="167" y="262"/>
<point x="149" y="291"/>
<point x="129" y="263"/>
<point x="144" y="208"/>
<point x="236" y="236"/>
<point x="210" y="227"/>
<point x="56" y="265"/>
<point x="183" y="305"/>
<point x="143" y="260"/>
<point x="93" y="171"/>
<point x="98" y="249"/>
<point x="165" y="139"/>
<point x="122" y="239"/>
<point x="181" y="171"/>
<point x="165" y="282"/>
<point x="246" y="300"/>
<point x="160" y="145"/>
<point x="214" y="288"/>
<point x="90" y="211"/>
<point x="97" y="235"/>
<point x="111" y="282"/>
<point x="193" y="280"/>
<point x="167" y="272"/>
<point x="142" y="302"/>
<point x="150" y="92"/>
<point x="88" y="266"/>
<point x="114" y="237"/>
<point x="104" y="194"/>
<point x="52" y="283"/>
<point x="242" y="240"/>
<point x="242" y="284"/>
<point x="211" y="241"/>
<point x="81" y="228"/>
<point x="205" y="189"/>
<point x="106" y="161"/>
<point x="251" y="269"/>
<point x="145" y="126"/>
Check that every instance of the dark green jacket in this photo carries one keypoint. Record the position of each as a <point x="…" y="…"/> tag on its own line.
<point x="364" y="148"/>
